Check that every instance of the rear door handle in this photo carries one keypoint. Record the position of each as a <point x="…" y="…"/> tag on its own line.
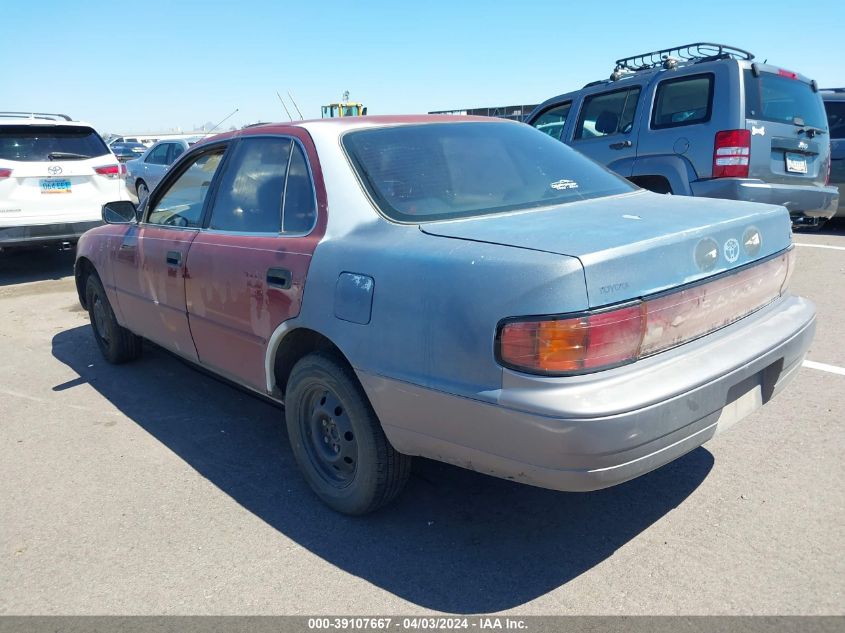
<point x="174" y="258"/>
<point x="278" y="278"/>
<point x="620" y="145"/>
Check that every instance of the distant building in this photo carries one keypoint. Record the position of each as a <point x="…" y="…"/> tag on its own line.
<point x="515" y="112"/>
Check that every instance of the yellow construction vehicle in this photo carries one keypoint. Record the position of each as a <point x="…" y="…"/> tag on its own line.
<point x="343" y="108"/>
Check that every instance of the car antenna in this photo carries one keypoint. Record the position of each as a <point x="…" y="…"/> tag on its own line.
<point x="221" y="123"/>
<point x="295" y="106"/>
<point x="284" y="106"/>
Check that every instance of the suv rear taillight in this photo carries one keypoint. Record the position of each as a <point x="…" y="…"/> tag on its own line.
<point x="606" y="338"/>
<point x="5" y="173"/>
<point x="731" y="154"/>
<point x="111" y="171"/>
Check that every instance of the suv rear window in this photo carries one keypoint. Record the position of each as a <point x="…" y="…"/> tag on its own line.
<point x="780" y="99"/>
<point x="32" y="143"/>
<point x="437" y="171"/>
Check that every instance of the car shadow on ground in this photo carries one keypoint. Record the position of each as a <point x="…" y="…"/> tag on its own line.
<point x="35" y="264"/>
<point x="455" y="540"/>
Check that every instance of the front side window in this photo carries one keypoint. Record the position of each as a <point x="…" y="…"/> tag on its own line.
<point x="249" y="199"/>
<point x="33" y="143"/>
<point x="608" y="113"/>
<point x="436" y="171"/>
<point x="553" y="120"/>
<point x="159" y="155"/>
<point x="181" y="204"/>
<point x="683" y="101"/>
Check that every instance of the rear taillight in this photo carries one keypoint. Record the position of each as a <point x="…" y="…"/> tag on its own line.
<point x="110" y="171"/>
<point x="5" y="173"/>
<point x="731" y="154"/>
<point x="787" y="73"/>
<point x="602" y="339"/>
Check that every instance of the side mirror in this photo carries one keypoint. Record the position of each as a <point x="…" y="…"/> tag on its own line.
<point x="119" y="212"/>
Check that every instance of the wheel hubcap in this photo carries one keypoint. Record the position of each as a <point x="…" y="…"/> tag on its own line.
<point x="329" y="438"/>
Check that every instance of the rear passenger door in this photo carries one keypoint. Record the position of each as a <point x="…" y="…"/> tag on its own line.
<point x="607" y="130"/>
<point x="678" y="143"/>
<point x="248" y="264"/>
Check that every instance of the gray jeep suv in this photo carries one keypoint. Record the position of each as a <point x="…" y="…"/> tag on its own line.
<point x="704" y="120"/>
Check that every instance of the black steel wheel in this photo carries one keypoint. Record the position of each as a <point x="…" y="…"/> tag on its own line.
<point x="117" y="344"/>
<point x="337" y="439"/>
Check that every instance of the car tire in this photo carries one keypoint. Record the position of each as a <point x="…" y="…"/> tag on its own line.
<point x="117" y="344"/>
<point x="337" y="439"/>
<point x="143" y="191"/>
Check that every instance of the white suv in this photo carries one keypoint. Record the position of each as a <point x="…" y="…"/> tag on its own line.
<point x="55" y="175"/>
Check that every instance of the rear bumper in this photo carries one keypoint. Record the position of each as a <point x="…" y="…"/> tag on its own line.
<point x="589" y="432"/>
<point x="44" y="233"/>
<point x="801" y="200"/>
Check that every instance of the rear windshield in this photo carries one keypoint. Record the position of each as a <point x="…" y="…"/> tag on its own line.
<point x="50" y="142"/>
<point x="437" y="171"/>
<point x="772" y="97"/>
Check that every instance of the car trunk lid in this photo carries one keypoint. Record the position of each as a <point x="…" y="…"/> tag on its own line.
<point x="637" y="244"/>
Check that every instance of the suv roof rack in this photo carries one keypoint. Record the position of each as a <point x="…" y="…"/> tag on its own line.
<point x="35" y="115"/>
<point x="695" y="53"/>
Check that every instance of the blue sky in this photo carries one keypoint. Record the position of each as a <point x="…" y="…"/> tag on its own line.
<point x="153" y="65"/>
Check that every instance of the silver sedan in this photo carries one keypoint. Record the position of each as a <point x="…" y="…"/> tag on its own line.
<point x="145" y="172"/>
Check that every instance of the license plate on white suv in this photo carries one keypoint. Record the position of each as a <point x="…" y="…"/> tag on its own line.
<point x="55" y="185"/>
<point x="796" y="163"/>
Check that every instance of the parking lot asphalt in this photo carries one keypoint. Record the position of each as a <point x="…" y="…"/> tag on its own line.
<point x="153" y="488"/>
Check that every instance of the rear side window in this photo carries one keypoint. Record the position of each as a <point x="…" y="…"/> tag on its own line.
<point x="176" y="150"/>
<point x="608" y="113"/>
<point x="299" y="212"/>
<point x="437" y="171"/>
<point x="836" y="118"/>
<point x="683" y="101"/>
<point x="782" y="99"/>
<point x="249" y="199"/>
<point x="30" y="143"/>
<point x="553" y="120"/>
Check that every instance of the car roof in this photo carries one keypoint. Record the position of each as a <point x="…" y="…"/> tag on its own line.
<point x="342" y="124"/>
<point x="833" y="94"/>
<point x="21" y="118"/>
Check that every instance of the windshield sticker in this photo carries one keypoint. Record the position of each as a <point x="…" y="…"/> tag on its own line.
<point x="560" y="185"/>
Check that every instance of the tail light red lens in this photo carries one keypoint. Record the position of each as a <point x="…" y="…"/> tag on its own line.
<point x="5" y="173"/>
<point x="787" y="73"/>
<point x="110" y="171"/>
<point x="731" y="154"/>
<point x="602" y="339"/>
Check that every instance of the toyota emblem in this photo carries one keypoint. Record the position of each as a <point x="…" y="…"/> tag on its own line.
<point x="731" y="250"/>
<point x="54" y="170"/>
